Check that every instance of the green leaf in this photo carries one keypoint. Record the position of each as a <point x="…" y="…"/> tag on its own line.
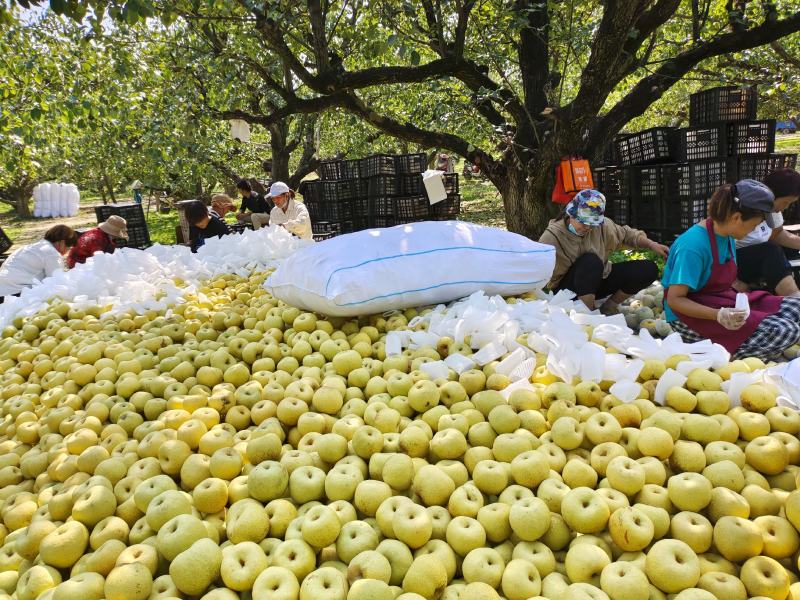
<point x="58" y="6"/>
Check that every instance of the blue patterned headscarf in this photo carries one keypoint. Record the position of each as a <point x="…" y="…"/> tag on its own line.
<point x="587" y="207"/>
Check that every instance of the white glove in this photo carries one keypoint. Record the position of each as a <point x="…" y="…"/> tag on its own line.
<point x="731" y="318"/>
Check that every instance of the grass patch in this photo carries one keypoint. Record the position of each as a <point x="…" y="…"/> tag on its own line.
<point x="481" y="203"/>
<point x="788" y="143"/>
<point x="162" y="227"/>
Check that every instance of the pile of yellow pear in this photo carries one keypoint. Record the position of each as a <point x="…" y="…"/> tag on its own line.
<point x="235" y="447"/>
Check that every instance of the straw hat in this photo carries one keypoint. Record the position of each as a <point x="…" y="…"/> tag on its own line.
<point x="115" y="226"/>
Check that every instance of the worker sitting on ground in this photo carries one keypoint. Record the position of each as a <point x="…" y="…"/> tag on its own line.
<point x="584" y="239"/>
<point x="700" y="301"/>
<point x="100" y="239"/>
<point x="202" y="224"/>
<point x="289" y="213"/>
<point x="31" y="264"/>
<point x="254" y="208"/>
<point x="760" y="254"/>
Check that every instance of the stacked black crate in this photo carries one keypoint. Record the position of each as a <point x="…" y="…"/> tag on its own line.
<point x="397" y="194"/>
<point x="724" y="143"/>
<point x="634" y="188"/>
<point x="138" y="233"/>
<point x="331" y="198"/>
<point x="380" y="190"/>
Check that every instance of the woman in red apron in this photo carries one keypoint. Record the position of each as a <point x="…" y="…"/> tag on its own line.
<point x="699" y="279"/>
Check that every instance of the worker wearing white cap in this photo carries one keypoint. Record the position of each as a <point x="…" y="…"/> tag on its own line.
<point x="288" y="213"/>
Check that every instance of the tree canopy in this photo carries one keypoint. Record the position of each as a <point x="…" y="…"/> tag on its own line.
<point x="512" y="85"/>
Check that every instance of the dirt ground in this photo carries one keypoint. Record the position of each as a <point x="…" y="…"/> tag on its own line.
<point x="27" y="231"/>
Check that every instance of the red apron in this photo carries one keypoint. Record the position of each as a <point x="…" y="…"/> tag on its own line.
<point x="718" y="293"/>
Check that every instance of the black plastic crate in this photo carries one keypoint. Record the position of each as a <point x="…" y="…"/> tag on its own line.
<point x="610" y="154"/>
<point x="411" y="208"/>
<point x="138" y="237"/>
<point x="663" y="236"/>
<point x="599" y="179"/>
<point x="351" y="169"/>
<point x="132" y="213"/>
<point x="618" y="209"/>
<point x="329" y="190"/>
<point x="360" y="188"/>
<point x="326" y="227"/>
<point x="384" y="185"/>
<point x="700" y="143"/>
<point x="723" y="104"/>
<point x="330" y="210"/>
<point x="753" y="137"/>
<point x="381" y="221"/>
<point x="647" y="213"/>
<point x="411" y="163"/>
<point x="759" y="166"/>
<point x="647" y="182"/>
<point x="451" y="184"/>
<point x="446" y="209"/>
<point x="412" y="184"/>
<point x="377" y="164"/>
<point x="648" y="146"/>
<point x="330" y="169"/>
<point x="361" y="207"/>
<point x="360" y="223"/>
<point x="698" y="179"/>
<point x="381" y="206"/>
<point x="618" y="181"/>
<point x="687" y="211"/>
<point x="5" y="241"/>
<point x="791" y="216"/>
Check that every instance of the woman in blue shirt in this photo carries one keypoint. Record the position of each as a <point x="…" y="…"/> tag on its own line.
<point x="700" y="299"/>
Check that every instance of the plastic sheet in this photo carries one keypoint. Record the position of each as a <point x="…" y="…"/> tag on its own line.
<point x="671" y="378"/>
<point x="436" y="369"/>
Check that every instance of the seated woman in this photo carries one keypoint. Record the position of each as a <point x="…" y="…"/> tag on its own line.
<point x="221" y="205"/>
<point x="699" y="298"/>
<point x="291" y="215"/>
<point x="202" y="224"/>
<point x="99" y="239"/>
<point x="584" y="240"/>
<point x="760" y="254"/>
<point x="30" y="264"/>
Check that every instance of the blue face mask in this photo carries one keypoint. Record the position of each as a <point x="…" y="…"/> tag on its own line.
<point x="573" y="230"/>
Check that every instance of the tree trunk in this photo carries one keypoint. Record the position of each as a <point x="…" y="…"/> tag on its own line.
<point x="526" y="201"/>
<point x="22" y="206"/>
<point x="109" y="187"/>
<point x="280" y="153"/>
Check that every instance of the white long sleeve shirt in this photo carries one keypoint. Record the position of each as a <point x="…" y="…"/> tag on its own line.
<point x="296" y="219"/>
<point x="27" y="266"/>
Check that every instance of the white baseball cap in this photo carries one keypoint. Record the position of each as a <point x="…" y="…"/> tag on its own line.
<point x="278" y="188"/>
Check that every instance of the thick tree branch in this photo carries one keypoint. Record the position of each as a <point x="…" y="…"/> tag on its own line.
<point x="781" y="51"/>
<point x="651" y="88"/>
<point x="626" y="25"/>
<point x="412" y="133"/>
<point x="319" y="40"/>
<point x="460" y="36"/>
<point x="534" y="61"/>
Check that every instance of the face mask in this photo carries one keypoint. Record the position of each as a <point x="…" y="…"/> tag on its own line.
<point x="574" y="231"/>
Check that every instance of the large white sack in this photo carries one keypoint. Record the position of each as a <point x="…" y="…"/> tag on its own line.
<point x="376" y="270"/>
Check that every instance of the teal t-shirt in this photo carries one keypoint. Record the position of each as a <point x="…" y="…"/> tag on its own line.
<point x="690" y="258"/>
